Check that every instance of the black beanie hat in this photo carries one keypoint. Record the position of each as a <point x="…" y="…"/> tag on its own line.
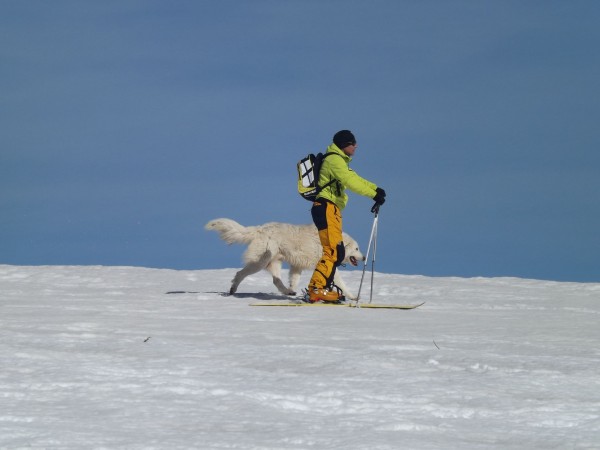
<point x="344" y="138"/>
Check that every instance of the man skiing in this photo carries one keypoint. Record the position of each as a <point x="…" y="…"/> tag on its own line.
<point x="327" y="208"/>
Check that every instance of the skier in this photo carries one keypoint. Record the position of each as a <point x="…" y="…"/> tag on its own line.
<point x="327" y="208"/>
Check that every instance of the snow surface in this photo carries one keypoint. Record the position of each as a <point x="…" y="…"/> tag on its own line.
<point x="102" y="357"/>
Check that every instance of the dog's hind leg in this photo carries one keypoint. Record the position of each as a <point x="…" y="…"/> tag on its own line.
<point x="294" y="277"/>
<point x="250" y="268"/>
<point x="274" y="267"/>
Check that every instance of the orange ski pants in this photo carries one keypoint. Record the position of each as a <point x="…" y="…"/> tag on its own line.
<point x="328" y="220"/>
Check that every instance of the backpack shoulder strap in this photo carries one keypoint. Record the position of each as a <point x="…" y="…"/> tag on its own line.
<point x="330" y="182"/>
<point x="325" y="155"/>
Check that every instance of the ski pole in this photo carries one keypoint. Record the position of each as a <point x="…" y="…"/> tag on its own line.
<point x="373" y="230"/>
<point x="373" y="262"/>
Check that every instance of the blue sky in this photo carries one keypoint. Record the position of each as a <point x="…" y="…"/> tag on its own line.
<point x="127" y="125"/>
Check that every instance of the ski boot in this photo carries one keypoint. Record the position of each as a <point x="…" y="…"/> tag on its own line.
<point x="325" y="295"/>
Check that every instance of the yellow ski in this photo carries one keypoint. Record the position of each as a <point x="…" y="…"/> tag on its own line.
<point x="346" y="305"/>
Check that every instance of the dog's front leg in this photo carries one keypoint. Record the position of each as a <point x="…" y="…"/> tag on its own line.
<point x="337" y="280"/>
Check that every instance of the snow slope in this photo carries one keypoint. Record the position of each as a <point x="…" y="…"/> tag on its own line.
<point x="101" y="357"/>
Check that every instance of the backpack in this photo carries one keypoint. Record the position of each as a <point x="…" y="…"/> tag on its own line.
<point x="309" y="169"/>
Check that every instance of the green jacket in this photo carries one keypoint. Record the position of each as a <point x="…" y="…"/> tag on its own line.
<point x="337" y="168"/>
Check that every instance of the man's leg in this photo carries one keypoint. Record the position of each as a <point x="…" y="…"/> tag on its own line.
<point x="328" y="220"/>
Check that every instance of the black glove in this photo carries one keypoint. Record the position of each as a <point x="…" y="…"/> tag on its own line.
<point x="379" y="200"/>
<point x="379" y="196"/>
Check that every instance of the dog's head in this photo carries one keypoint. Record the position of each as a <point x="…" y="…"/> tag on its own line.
<point x="353" y="253"/>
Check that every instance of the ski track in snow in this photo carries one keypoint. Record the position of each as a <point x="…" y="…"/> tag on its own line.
<point x="102" y="357"/>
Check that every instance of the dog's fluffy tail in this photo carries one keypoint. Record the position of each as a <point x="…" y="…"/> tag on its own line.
<point x="231" y="231"/>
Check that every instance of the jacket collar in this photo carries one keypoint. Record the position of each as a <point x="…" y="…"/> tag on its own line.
<point x="335" y="149"/>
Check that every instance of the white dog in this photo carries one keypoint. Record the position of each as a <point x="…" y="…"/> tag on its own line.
<point x="272" y="243"/>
